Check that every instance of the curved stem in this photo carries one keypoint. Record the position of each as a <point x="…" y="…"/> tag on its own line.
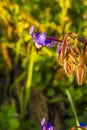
<point x="72" y="106"/>
<point x="54" y="39"/>
<point x="81" y="39"/>
<point x="84" y="50"/>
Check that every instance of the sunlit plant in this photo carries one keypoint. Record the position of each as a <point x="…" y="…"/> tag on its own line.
<point x="71" y="52"/>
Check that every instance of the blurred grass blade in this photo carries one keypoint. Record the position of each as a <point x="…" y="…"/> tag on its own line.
<point x="72" y="106"/>
<point x="29" y="77"/>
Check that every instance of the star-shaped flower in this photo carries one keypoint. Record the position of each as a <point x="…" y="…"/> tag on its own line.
<point x="41" y="40"/>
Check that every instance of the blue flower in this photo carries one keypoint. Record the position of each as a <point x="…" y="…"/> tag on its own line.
<point x="82" y="124"/>
<point x="45" y="126"/>
<point x="41" y="40"/>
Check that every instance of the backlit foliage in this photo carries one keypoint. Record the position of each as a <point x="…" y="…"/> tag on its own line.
<point x="21" y="68"/>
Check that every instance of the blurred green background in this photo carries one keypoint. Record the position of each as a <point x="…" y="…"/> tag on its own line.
<point x="33" y="86"/>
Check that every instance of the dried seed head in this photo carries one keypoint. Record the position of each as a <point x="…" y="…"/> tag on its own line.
<point x="68" y="68"/>
<point x="74" y="34"/>
<point x="75" y="57"/>
<point x="80" y="73"/>
<point x="74" y="52"/>
<point x="59" y="59"/>
<point x="63" y="51"/>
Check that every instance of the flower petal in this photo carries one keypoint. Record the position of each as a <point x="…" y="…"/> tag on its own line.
<point x="59" y="47"/>
<point x="40" y="39"/>
<point x="43" y="124"/>
<point x="82" y="124"/>
<point x="31" y="30"/>
<point x="43" y="121"/>
<point x="50" y="126"/>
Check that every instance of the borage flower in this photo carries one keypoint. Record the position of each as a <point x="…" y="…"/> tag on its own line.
<point x="45" y="126"/>
<point x="41" y="40"/>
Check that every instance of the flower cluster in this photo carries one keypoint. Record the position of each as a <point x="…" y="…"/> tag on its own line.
<point x="45" y="126"/>
<point x="71" y="52"/>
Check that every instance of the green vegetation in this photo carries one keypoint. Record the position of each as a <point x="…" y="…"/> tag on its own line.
<point x="21" y="69"/>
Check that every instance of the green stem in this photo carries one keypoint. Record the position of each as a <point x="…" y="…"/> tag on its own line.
<point x="72" y="106"/>
<point x="28" y="82"/>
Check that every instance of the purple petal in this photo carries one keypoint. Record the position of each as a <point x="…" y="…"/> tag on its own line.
<point x="82" y="124"/>
<point x="40" y="39"/>
<point x="52" y="44"/>
<point x="48" y="41"/>
<point x="59" y="50"/>
<point x="50" y="126"/>
<point x="38" y="34"/>
<point x="43" y="121"/>
<point x="31" y="30"/>
<point x="59" y="47"/>
<point x="43" y="124"/>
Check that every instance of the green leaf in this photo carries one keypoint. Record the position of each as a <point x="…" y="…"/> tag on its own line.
<point x="50" y="92"/>
<point x="13" y="123"/>
<point x="8" y="110"/>
<point x="56" y="99"/>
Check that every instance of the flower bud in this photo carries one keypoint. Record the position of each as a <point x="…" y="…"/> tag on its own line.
<point x="63" y="51"/>
<point x="80" y="73"/>
<point x="68" y="68"/>
<point x="59" y="59"/>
